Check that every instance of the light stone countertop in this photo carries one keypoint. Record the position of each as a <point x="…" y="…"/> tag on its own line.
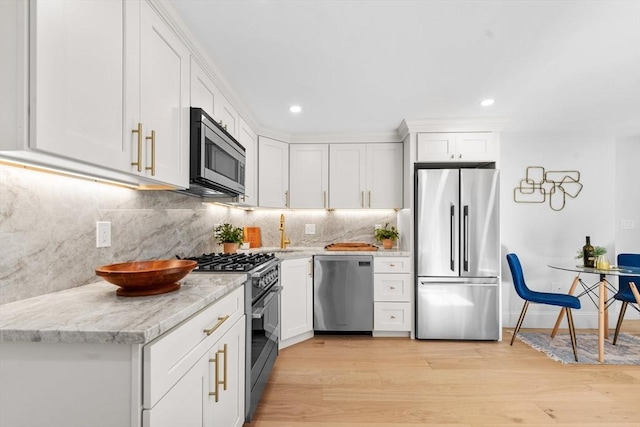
<point x="292" y="252"/>
<point x="95" y="314"/>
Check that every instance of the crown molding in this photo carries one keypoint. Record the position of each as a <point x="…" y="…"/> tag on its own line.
<point x="489" y="124"/>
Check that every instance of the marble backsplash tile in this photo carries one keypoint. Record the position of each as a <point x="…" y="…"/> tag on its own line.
<point x="48" y="236"/>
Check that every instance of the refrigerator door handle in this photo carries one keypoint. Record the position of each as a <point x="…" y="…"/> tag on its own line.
<point x="465" y="242"/>
<point x="452" y="243"/>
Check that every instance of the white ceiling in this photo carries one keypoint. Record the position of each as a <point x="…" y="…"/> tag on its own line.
<point x="365" y="65"/>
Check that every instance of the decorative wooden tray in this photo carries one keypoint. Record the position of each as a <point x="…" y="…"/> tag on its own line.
<point x="349" y="246"/>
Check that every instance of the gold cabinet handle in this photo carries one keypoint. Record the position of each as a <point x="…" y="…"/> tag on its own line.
<point x="286" y="199"/>
<point x="139" y="132"/>
<point x="369" y="198"/>
<point x="224" y="370"/>
<point x="324" y="199"/>
<point x="221" y="320"/>
<point x="216" y="390"/>
<point x="152" y="168"/>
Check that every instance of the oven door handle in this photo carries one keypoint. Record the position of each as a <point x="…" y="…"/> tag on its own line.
<point x="275" y="291"/>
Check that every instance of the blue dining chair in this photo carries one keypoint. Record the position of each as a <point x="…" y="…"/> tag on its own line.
<point x="624" y="290"/>
<point x="561" y="300"/>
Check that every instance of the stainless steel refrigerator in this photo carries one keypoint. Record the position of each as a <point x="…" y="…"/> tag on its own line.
<point x="457" y="254"/>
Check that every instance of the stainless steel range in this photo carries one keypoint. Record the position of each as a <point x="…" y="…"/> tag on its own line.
<point x="262" y="307"/>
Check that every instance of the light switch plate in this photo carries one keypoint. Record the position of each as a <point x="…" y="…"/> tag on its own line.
<point x="309" y="229"/>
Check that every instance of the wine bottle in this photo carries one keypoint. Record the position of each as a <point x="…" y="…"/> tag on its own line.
<point x="589" y="254"/>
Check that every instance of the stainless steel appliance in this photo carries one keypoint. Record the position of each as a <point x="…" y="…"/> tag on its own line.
<point x="262" y="307"/>
<point x="216" y="159"/>
<point x="457" y="254"/>
<point x="343" y="293"/>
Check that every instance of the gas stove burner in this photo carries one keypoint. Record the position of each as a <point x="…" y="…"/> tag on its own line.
<point x="239" y="262"/>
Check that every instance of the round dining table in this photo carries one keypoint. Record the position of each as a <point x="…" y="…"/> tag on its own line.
<point x="603" y="302"/>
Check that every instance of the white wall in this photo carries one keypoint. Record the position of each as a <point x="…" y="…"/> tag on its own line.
<point x="541" y="236"/>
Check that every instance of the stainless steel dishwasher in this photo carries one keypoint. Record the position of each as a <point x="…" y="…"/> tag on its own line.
<point x="343" y="293"/>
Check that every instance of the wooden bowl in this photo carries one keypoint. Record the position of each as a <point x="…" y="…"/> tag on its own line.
<point x="141" y="278"/>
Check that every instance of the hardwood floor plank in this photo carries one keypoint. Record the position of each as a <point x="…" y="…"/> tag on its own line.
<point x="357" y="381"/>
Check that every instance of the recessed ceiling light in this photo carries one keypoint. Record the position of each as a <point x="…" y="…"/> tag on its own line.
<point x="295" y="109"/>
<point x="487" y="102"/>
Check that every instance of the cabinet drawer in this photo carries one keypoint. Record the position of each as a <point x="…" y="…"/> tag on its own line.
<point x="388" y="264"/>
<point x="170" y="356"/>
<point x="392" y="287"/>
<point x="392" y="316"/>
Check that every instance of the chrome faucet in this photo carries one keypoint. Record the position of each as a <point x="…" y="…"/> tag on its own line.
<point x="283" y="239"/>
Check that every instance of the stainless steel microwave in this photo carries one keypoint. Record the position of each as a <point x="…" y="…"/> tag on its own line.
<point x="217" y="160"/>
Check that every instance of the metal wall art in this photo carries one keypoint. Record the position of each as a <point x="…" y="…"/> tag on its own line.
<point x="540" y="185"/>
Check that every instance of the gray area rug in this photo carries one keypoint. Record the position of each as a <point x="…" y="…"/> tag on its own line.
<point x="625" y="352"/>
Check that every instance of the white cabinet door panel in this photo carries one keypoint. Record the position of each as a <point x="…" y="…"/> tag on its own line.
<point x="384" y="176"/>
<point x="308" y="175"/>
<point x="78" y="75"/>
<point x="347" y="175"/>
<point x="273" y="173"/>
<point x="297" y="298"/>
<point x="164" y="98"/>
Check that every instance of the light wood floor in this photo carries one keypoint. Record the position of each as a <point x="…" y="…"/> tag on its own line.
<point x="334" y="381"/>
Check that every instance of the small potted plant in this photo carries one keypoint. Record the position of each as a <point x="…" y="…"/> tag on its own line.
<point x="229" y="237"/>
<point x="386" y="235"/>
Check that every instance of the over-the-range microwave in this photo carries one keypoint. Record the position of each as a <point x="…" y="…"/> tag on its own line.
<point x="216" y="159"/>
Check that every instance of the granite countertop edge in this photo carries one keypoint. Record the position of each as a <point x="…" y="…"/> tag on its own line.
<point x="93" y="313"/>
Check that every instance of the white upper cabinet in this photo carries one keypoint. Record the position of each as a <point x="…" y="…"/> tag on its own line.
<point x="347" y="175"/>
<point x="273" y="173"/>
<point x="455" y="147"/>
<point x="308" y="175"/>
<point x="107" y="90"/>
<point x="365" y="175"/>
<point x="77" y="80"/>
<point x="203" y="91"/>
<point x="157" y="107"/>
<point x="227" y="116"/>
<point x="384" y="176"/>
<point x="249" y="140"/>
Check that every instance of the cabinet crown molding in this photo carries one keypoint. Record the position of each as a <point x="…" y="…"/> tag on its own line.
<point x="451" y="125"/>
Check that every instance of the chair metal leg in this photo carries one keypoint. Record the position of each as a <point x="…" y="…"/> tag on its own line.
<point x="520" y="320"/>
<point x="572" y="333"/>
<point x="620" y="317"/>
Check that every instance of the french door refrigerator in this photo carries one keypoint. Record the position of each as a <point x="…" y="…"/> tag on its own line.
<point x="457" y="254"/>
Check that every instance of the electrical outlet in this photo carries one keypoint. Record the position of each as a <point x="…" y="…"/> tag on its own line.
<point x="309" y="229"/>
<point x="627" y="224"/>
<point x="103" y="234"/>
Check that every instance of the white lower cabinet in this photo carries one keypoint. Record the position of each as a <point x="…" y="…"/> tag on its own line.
<point x="296" y="301"/>
<point x="191" y="376"/>
<point x="392" y="294"/>
<point x="211" y="393"/>
<point x="194" y="375"/>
